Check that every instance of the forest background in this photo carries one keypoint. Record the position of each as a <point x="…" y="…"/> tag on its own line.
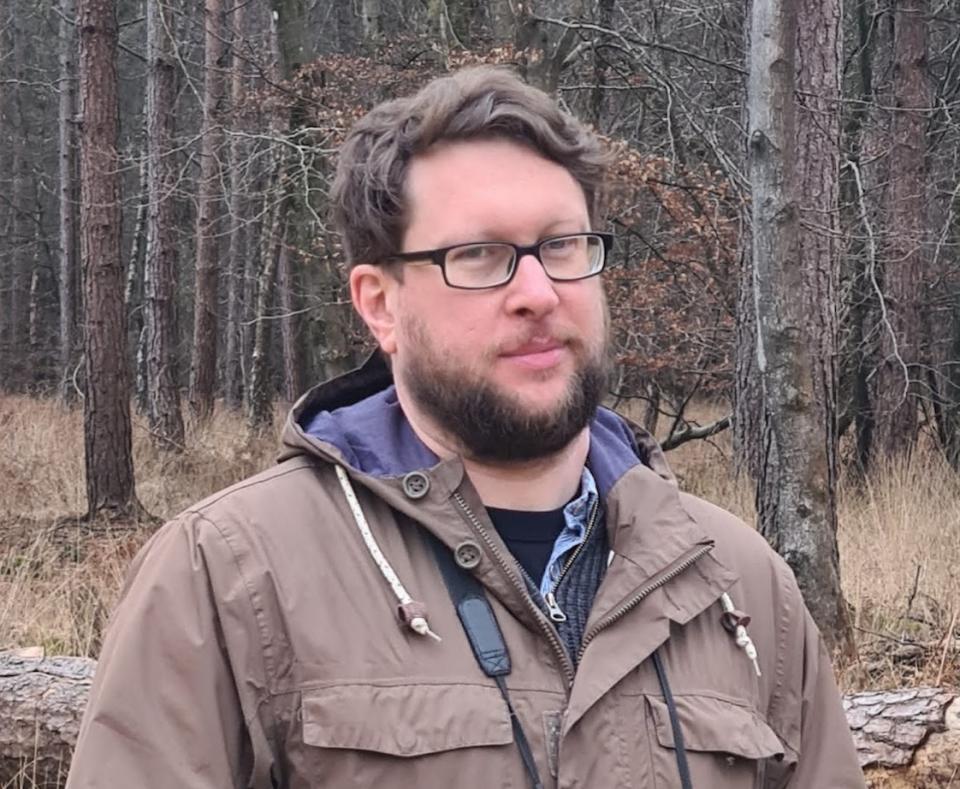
<point x="785" y="296"/>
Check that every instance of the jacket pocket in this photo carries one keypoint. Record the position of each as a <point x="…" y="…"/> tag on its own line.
<point x="727" y="743"/>
<point x="407" y="735"/>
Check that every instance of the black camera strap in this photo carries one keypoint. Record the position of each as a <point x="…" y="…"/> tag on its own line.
<point x="486" y="640"/>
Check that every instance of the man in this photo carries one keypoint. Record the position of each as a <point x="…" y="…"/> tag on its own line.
<point x="463" y="573"/>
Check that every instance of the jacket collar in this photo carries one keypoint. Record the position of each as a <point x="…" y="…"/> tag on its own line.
<point x="356" y="420"/>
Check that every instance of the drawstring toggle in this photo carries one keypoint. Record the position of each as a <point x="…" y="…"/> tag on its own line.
<point x="736" y="622"/>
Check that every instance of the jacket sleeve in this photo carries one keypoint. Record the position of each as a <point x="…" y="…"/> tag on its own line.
<point x="828" y="758"/>
<point x="809" y="711"/>
<point x="165" y="710"/>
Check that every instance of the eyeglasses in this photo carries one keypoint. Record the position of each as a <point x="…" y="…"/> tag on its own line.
<point x="488" y="264"/>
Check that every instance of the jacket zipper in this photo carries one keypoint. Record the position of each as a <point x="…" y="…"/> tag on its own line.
<point x="683" y="564"/>
<point x="550" y="598"/>
<point x="548" y="630"/>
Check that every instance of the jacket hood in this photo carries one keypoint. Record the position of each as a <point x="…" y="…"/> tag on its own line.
<point x="356" y="420"/>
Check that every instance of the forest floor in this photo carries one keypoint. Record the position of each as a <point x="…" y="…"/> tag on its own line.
<point x="899" y="536"/>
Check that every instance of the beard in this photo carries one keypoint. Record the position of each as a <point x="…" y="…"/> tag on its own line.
<point x="493" y="425"/>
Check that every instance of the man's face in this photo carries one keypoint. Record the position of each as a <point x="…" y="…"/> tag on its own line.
<point x="513" y="372"/>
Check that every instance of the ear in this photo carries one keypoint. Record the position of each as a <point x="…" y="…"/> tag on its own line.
<point x="373" y="291"/>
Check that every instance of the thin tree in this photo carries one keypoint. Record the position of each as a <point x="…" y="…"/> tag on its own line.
<point x="903" y="335"/>
<point x="203" y="370"/>
<point x="293" y="49"/>
<point x="69" y="240"/>
<point x="163" y="395"/>
<point x="106" y="405"/>
<point x="792" y="157"/>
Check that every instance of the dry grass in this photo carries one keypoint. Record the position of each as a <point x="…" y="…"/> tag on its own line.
<point x="899" y="536"/>
<point x="57" y="585"/>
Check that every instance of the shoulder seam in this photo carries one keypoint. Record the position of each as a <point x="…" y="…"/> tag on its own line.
<point x="252" y="482"/>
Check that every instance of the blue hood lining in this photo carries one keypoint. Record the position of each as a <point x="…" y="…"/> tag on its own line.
<point x="373" y="434"/>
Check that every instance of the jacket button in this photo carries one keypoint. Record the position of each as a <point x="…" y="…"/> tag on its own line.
<point x="467" y="555"/>
<point x="416" y="484"/>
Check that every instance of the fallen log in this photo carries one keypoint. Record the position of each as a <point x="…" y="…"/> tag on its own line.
<point x="905" y="738"/>
<point x="41" y="703"/>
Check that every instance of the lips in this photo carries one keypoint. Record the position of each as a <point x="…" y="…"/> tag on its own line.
<point x="537" y="354"/>
<point x="534" y="347"/>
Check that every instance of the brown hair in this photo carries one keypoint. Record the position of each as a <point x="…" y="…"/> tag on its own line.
<point x="368" y="198"/>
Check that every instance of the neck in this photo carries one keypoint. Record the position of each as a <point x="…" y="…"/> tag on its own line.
<point x="540" y="484"/>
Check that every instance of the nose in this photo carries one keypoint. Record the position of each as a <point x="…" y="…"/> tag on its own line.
<point x="531" y="292"/>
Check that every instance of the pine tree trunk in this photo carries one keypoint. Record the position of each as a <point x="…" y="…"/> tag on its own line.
<point x="107" y="436"/>
<point x="69" y="241"/>
<point x="903" y="338"/>
<point x="22" y="232"/>
<point x="203" y="371"/>
<point x="163" y="394"/>
<point x="794" y="281"/>
<point x="239" y="234"/>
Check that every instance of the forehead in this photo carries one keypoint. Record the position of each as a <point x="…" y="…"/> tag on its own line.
<point x="496" y="189"/>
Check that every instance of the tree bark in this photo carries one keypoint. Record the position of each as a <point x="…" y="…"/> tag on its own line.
<point x="289" y="325"/>
<point x="259" y="400"/>
<point x="902" y="344"/>
<point x="238" y="253"/>
<point x="107" y="435"/>
<point x="41" y="704"/>
<point x="134" y="296"/>
<point x="203" y="372"/>
<point x="794" y="284"/>
<point x="370" y="17"/>
<point x="21" y="230"/>
<point x="906" y="738"/>
<point x="163" y="394"/>
<point x="68" y="194"/>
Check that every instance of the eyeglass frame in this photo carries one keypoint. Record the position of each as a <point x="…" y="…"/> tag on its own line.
<point x="437" y="257"/>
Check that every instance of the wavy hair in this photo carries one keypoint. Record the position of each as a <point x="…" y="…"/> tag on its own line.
<point x="368" y="197"/>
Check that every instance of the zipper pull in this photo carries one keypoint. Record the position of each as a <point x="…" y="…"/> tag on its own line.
<point x="555" y="611"/>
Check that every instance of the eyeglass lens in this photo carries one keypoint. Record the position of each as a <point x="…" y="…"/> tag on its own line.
<point x="485" y="265"/>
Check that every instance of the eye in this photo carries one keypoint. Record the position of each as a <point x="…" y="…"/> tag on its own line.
<point x="475" y="253"/>
<point x="561" y="246"/>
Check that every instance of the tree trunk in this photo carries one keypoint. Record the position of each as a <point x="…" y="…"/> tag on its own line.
<point x="41" y="704"/>
<point x="902" y="344"/>
<point x="542" y="48"/>
<point x="106" y="411"/>
<point x="910" y="738"/>
<point x="134" y="298"/>
<point x="794" y="281"/>
<point x="22" y="232"/>
<point x="239" y="231"/>
<point x="203" y="372"/>
<point x="259" y="401"/>
<point x="163" y="394"/>
<point x="370" y="17"/>
<point x="289" y="324"/>
<point x="69" y="241"/>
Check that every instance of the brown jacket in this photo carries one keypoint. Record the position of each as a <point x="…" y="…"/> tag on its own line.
<point x="258" y="644"/>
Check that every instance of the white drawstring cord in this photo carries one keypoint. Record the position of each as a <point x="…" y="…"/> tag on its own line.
<point x="411" y="612"/>
<point x="742" y="637"/>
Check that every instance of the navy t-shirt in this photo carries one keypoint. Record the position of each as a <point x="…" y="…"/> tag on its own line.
<point x="530" y="536"/>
